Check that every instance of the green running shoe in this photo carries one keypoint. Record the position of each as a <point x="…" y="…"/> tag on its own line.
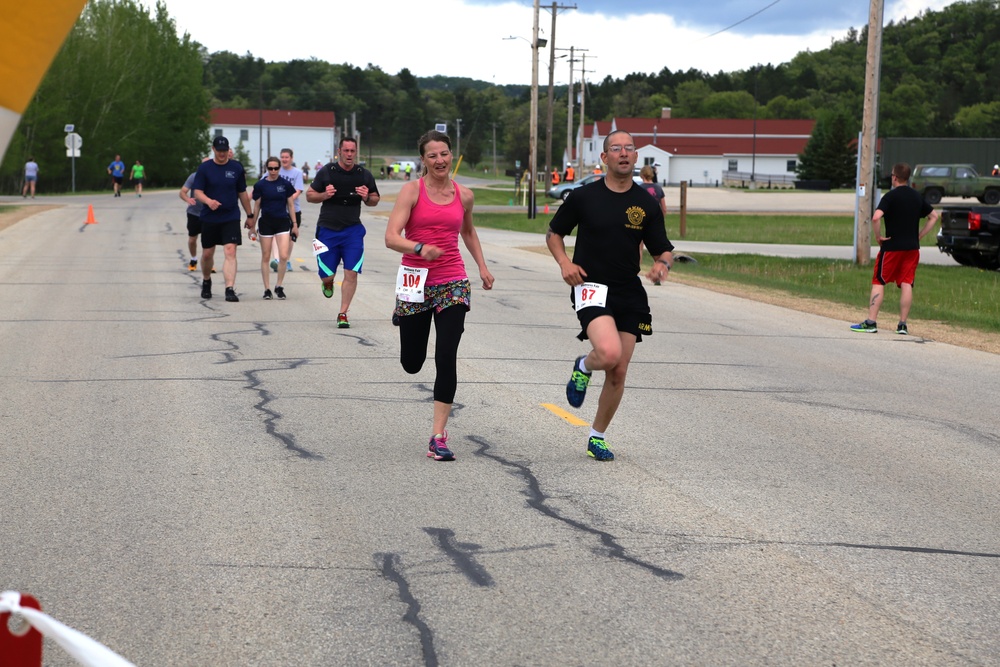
<point x="576" y="388"/>
<point x="598" y="449"/>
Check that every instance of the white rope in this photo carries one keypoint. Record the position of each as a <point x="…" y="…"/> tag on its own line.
<point x="83" y="649"/>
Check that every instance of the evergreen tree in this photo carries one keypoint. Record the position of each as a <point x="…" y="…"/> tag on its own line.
<point x="831" y="152"/>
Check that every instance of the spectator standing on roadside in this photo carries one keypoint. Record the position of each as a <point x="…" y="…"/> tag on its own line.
<point x="996" y="170"/>
<point x="899" y="250"/>
<point x="193" y="217"/>
<point x="305" y="170"/>
<point x="341" y="187"/>
<point x="138" y="174"/>
<point x="30" y="177"/>
<point x="569" y="174"/>
<point x="611" y="216"/>
<point x="117" y="171"/>
<point x="555" y="177"/>
<point x="221" y="185"/>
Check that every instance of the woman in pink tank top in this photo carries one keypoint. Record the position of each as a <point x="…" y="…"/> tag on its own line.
<point x="429" y="216"/>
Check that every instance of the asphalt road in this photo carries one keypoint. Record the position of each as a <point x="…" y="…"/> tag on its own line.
<point x="207" y="483"/>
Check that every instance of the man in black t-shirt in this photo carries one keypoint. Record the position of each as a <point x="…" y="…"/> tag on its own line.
<point x="899" y="250"/>
<point x="612" y="216"/>
<point x="341" y="187"/>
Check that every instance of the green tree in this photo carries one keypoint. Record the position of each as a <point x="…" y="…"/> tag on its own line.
<point x="731" y="104"/>
<point x="690" y="96"/>
<point x="131" y="86"/>
<point x="978" y="120"/>
<point x="830" y="153"/>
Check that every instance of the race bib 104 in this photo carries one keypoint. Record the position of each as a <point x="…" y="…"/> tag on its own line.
<point x="590" y="294"/>
<point x="410" y="284"/>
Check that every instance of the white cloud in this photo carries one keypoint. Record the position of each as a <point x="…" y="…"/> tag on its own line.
<point x="451" y="38"/>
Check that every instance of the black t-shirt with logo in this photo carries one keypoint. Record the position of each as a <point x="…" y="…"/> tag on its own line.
<point x="610" y="226"/>
<point x="343" y="209"/>
<point x="902" y="207"/>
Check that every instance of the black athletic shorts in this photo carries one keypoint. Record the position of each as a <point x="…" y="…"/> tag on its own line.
<point x="628" y="304"/>
<point x="221" y="233"/>
<point x="194" y="225"/>
<point x="268" y="226"/>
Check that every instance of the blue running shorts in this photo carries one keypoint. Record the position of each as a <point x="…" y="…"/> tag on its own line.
<point x="346" y="244"/>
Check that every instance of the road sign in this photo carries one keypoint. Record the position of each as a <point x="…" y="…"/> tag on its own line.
<point x="73" y="140"/>
<point x="69" y="128"/>
<point x="71" y="153"/>
<point x="441" y="127"/>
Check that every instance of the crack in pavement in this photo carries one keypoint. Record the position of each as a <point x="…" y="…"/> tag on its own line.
<point x="538" y="500"/>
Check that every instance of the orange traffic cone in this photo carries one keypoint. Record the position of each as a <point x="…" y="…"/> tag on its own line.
<point x="90" y="216"/>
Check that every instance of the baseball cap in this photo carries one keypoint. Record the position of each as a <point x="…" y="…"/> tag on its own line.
<point x="220" y="144"/>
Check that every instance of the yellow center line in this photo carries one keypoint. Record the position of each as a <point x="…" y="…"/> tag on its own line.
<point x="559" y="412"/>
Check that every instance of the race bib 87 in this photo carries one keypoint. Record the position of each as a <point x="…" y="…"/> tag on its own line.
<point x="590" y="294"/>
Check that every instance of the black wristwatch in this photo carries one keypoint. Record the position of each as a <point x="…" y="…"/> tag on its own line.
<point x="417" y="248"/>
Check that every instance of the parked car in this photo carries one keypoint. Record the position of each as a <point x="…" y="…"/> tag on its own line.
<point x="971" y="235"/>
<point x="562" y="190"/>
<point x="934" y="181"/>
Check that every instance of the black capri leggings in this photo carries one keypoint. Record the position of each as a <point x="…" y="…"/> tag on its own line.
<point x="414" y="332"/>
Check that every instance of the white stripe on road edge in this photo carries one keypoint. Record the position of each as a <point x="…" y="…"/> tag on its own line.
<point x="83" y="649"/>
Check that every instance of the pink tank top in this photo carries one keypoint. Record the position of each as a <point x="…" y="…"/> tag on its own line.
<point x="438" y="225"/>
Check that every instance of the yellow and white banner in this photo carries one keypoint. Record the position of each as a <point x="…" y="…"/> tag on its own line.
<point x="31" y="34"/>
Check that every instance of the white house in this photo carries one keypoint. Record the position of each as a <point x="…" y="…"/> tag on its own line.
<point x="312" y="135"/>
<point x="708" y="152"/>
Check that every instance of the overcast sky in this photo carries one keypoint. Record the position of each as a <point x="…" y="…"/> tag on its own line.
<point x="467" y="37"/>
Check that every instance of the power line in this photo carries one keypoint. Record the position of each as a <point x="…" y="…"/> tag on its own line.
<point x="756" y="13"/>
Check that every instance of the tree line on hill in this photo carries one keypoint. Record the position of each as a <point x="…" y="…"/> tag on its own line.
<point x="939" y="74"/>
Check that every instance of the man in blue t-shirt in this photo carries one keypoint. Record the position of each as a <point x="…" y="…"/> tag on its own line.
<point x="221" y="185"/>
<point x="117" y="171"/>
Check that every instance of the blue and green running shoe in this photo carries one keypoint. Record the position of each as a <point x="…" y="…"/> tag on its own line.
<point x="598" y="449"/>
<point x="327" y="290"/>
<point x="576" y="388"/>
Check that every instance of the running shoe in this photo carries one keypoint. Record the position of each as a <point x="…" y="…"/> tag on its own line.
<point x="193" y="265"/>
<point x="288" y="265"/>
<point x="279" y="292"/>
<point x="438" y="450"/>
<point x="206" y="289"/>
<point x="598" y="450"/>
<point x="342" y="322"/>
<point x="267" y="293"/>
<point x="231" y="294"/>
<point x="576" y="388"/>
<point x="902" y="330"/>
<point x="274" y="265"/>
<point x="868" y="326"/>
<point x="327" y="291"/>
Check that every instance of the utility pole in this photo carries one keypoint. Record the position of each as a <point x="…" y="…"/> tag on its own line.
<point x="569" y="105"/>
<point x="458" y="140"/>
<point x="552" y="71"/>
<point x="869" y="134"/>
<point x="533" y="121"/>
<point x="583" y="107"/>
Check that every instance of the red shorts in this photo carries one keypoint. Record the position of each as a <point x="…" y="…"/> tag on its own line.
<point x="895" y="266"/>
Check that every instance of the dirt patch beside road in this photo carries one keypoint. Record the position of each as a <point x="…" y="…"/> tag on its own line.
<point x="8" y="218"/>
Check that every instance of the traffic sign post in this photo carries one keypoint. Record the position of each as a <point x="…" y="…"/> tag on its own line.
<point x="73" y="143"/>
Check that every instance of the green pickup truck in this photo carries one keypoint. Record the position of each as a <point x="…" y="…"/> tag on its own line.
<point x="934" y="181"/>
